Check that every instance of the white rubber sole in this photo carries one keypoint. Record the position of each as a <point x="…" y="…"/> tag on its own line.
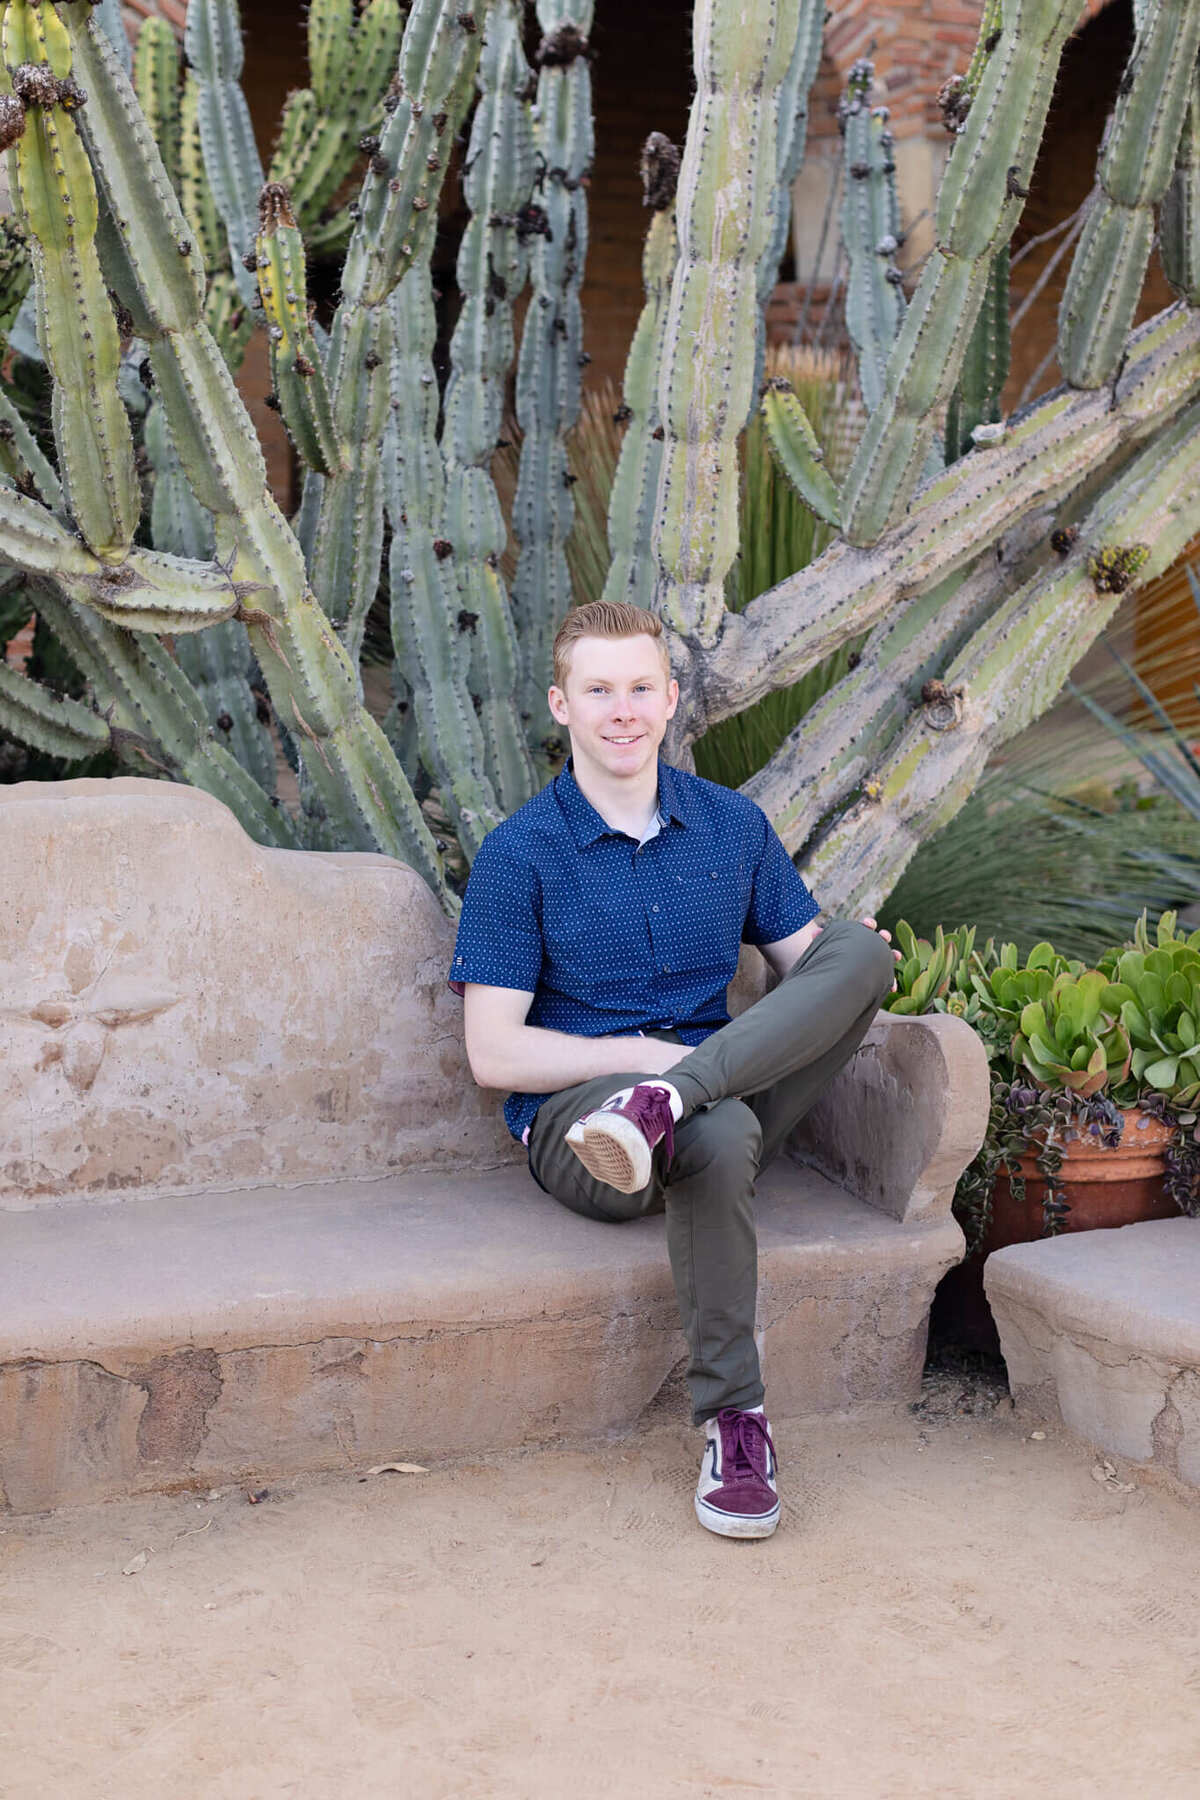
<point x="733" y="1525"/>
<point x="612" y="1150"/>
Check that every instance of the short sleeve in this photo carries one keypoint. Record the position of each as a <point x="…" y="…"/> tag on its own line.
<point x="499" y="942"/>
<point x="779" y="901"/>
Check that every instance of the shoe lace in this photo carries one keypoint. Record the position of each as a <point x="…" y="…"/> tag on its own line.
<point x="746" y="1442"/>
<point x="650" y="1108"/>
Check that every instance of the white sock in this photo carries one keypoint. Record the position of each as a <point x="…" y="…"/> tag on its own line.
<point x="676" y="1102"/>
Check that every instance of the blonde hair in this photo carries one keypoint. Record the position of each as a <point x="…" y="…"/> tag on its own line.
<point x="605" y="619"/>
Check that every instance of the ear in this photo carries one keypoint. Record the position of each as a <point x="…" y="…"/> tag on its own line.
<point x="557" y="702"/>
<point x="672" y="697"/>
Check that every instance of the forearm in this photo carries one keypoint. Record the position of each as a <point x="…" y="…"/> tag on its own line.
<point x="527" y="1059"/>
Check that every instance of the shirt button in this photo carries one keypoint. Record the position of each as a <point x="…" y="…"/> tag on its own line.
<point x="654" y="909"/>
<point x="666" y="968"/>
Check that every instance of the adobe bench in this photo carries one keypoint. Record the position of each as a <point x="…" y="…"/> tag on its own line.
<point x="255" y="1217"/>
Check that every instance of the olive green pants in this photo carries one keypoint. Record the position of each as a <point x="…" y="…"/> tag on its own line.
<point x="743" y="1091"/>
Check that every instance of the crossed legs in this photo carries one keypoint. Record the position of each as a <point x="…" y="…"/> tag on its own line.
<point x="743" y="1091"/>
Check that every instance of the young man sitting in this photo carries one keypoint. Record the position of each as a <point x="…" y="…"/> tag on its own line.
<point x="599" y="932"/>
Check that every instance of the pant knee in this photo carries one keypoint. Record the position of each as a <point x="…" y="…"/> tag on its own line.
<point x="724" y="1141"/>
<point x="871" y="967"/>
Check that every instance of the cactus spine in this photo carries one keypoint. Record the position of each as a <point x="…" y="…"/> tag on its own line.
<point x="552" y="353"/>
<point x="978" y="207"/>
<point x="634" y="494"/>
<point x="492" y="267"/>
<point x="723" y="219"/>
<point x="1134" y="170"/>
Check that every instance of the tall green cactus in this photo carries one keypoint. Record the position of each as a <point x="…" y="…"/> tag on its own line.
<point x="723" y="216"/>
<point x="1134" y="170"/>
<point x="492" y="268"/>
<point x="967" y="600"/>
<point x="552" y="354"/>
<point x="634" y="494"/>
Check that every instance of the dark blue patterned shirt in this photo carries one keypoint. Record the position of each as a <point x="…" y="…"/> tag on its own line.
<point x="613" y="938"/>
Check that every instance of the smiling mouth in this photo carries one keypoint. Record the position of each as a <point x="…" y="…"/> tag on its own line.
<point x="625" y="740"/>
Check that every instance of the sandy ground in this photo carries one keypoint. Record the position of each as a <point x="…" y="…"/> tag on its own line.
<point x="950" y="1607"/>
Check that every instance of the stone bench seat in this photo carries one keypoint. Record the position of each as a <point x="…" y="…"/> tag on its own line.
<point x="255" y="1216"/>
<point x="155" y="1342"/>
<point x="1102" y="1330"/>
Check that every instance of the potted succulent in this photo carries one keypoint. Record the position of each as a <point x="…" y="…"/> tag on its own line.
<point x="1095" y="1080"/>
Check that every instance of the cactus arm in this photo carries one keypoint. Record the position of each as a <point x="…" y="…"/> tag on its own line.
<point x="52" y="723"/>
<point x="349" y="539"/>
<point x="155" y="714"/>
<point x="795" y="448"/>
<point x="847" y="732"/>
<point x="322" y="125"/>
<point x="195" y="193"/>
<point x="634" y="495"/>
<point x="1135" y="167"/>
<point x="312" y="683"/>
<point x="212" y="42"/>
<point x="492" y="266"/>
<point x="148" y="591"/>
<point x="398" y="204"/>
<point x="20" y="454"/>
<point x="156" y="83"/>
<point x="1179" y="217"/>
<point x="870" y="232"/>
<point x="978" y="208"/>
<point x="108" y="16"/>
<point x="16" y="273"/>
<point x="297" y="366"/>
<point x="1055" y="446"/>
<point x="49" y="169"/>
<point x="723" y="219"/>
<point x="431" y="638"/>
<point x="161" y="279"/>
<point x="976" y="399"/>
<point x="552" y="354"/>
<point x="791" y="136"/>
<point x="1011" y="670"/>
<point x="218" y="661"/>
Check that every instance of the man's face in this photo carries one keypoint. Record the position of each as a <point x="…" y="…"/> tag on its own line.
<point x="616" y="703"/>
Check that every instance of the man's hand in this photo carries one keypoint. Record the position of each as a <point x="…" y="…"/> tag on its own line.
<point x="873" y="925"/>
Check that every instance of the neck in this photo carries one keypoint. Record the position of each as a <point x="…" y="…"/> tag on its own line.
<point x="626" y="803"/>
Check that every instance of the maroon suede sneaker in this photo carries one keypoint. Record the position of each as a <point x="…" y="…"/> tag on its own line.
<point x="616" y="1142"/>
<point x="736" y="1496"/>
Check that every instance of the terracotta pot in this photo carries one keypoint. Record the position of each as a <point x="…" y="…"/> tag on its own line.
<point x="1102" y="1187"/>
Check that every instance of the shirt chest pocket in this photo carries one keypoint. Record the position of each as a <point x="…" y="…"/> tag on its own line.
<point x="706" y="913"/>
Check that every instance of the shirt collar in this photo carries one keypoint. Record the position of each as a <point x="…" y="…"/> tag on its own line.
<point x="585" y="823"/>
